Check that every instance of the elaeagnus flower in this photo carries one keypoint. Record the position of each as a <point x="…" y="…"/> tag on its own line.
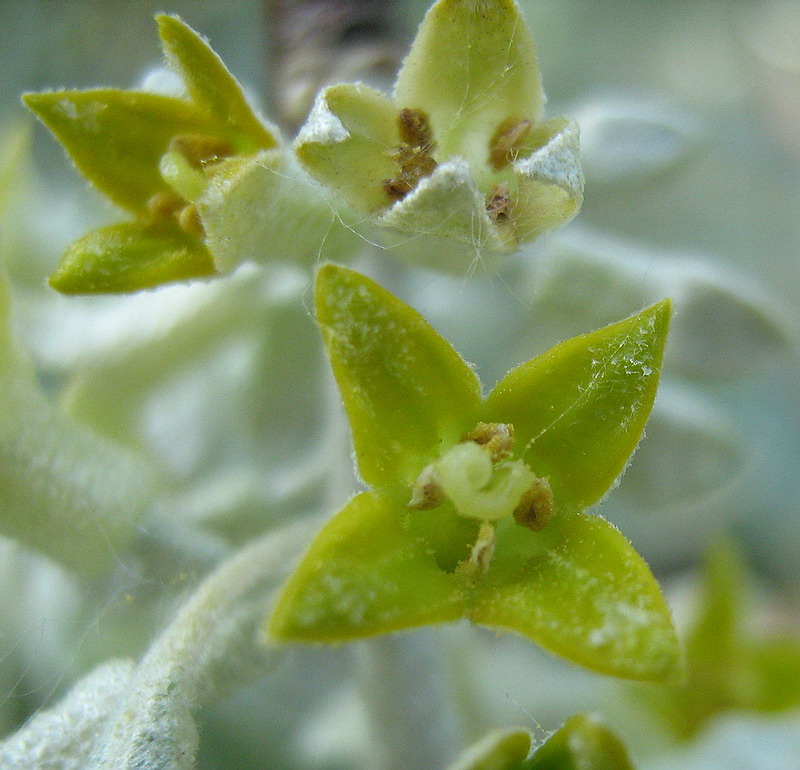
<point x="459" y="160"/>
<point x="476" y="507"/>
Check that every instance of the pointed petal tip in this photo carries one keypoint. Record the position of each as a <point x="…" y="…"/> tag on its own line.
<point x="327" y="270"/>
<point x="330" y="273"/>
<point x="170" y="25"/>
<point x="60" y="281"/>
<point x="664" y="307"/>
<point x="36" y="101"/>
<point x="322" y="127"/>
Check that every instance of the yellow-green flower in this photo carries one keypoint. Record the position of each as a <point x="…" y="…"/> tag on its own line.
<point x="154" y="156"/>
<point x="476" y="505"/>
<point x="459" y="159"/>
<point x="208" y="183"/>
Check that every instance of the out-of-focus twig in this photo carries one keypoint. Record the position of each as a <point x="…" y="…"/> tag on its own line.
<point x="314" y="43"/>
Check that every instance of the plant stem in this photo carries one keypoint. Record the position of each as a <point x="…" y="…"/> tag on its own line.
<point x="409" y="702"/>
<point x="209" y="648"/>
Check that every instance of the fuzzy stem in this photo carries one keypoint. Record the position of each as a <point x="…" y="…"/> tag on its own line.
<point x="210" y="647"/>
<point x="226" y="610"/>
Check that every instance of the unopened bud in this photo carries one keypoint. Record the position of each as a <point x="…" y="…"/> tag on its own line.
<point x="200" y="149"/>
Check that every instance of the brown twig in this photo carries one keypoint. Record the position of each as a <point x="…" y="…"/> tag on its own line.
<point x="314" y="43"/>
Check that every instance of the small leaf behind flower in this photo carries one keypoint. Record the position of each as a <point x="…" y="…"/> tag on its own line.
<point x="131" y="256"/>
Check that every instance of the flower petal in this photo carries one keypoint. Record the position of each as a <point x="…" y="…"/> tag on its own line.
<point x="579" y="409"/>
<point x="116" y="138"/>
<point x="363" y="575"/>
<point x="129" y="257"/>
<point x="211" y="86"/>
<point x="472" y="66"/>
<point x="407" y="392"/>
<point x="448" y="205"/>
<point x="347" y="141"/>
<point x="579" y="589"/>
<point x="549" y="181"/>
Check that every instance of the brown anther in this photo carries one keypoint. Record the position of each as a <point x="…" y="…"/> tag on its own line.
<point x="165" y="205"/>
<point x="536" y="508"/>
<point x="414" y="162"/>
<point x="498" y="203"/>
<point x="497" y="437"/>
<point x="397" y="188"/>
<point x="415" y="128"/>
<point x="480" y="557"/>
<point x="506" y="142"/>
<point x="414" y="165"/>
<point x="413" y="157"/>
<point x="201" y="149"/>
<point x="190" y="222"/>
<point x="426" y="493"/>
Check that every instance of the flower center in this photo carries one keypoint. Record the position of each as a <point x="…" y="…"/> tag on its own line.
<point x="415" y="161"/>
<point x="182" y="167"/>
<point x="483" y="483"/>
<point x="478" y="477"/>
<point x="479" y="488"/>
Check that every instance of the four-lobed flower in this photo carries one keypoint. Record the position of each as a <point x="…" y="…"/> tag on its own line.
<point x="476" y="506"/>
<point x="208" y="182"/>
<point x="460" y="155"/>
<point x="152" y="154"/>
